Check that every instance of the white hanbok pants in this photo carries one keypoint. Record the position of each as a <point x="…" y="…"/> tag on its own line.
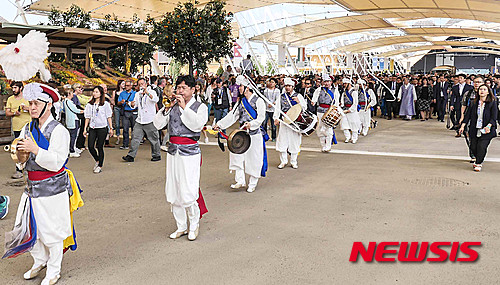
<point x="325" y="134"/>
<point x="284" y="158"/>
<point x="365" y="117"/>
<point x="182" y="189"/>
<point x="49" y="254"/>
<point x="249" y="162"/>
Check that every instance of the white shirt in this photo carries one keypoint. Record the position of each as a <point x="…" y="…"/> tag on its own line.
<point x="98" y="115"/>
<point x="233" y="116"/>
<point x="146" y="107"/>
<point x="400" y="93"/>
<point x="208" y="94"/>
<point x="461" y="88"/>
<point x="271" y="95"/>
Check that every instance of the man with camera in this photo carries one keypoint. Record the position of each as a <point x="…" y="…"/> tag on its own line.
<point x="129" y="113"/>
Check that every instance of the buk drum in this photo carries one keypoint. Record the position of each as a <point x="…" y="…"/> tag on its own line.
<point x="303" y="119"/>
<point x="332" y="116"/>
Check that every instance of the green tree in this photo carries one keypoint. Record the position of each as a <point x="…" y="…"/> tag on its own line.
<point x="194" y="36"/>
<point x="139" y="53"/>
<point x="74" y="17"/>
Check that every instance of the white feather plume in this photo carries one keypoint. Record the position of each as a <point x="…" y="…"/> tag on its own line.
<point x="24" y="58"/>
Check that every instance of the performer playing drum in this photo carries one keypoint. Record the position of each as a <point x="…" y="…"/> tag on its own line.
<point x="288" y="140"/>
<point x="185" y="120"/>
<point x="367" y="100"/>
<point x="325" y="97"/>
<point x="349" y="102"/>
<point x="52" y="192"/>
<point x="250" y="114"/>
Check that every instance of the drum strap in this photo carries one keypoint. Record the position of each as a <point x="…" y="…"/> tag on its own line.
<point x="290" y="100"/>
<point x="329" y="92"/>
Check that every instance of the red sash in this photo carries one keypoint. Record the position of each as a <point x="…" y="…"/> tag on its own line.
<point x="182" y="140"/>
<point x="42" y="175"/>
<point x="362" y="103"/>
<point x="326" y="106"/>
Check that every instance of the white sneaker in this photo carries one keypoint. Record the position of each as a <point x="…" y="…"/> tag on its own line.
<point x="354" y="141"/>
<point x="78" y="151"/>
<point x="74" y="154"/>
<point x="250" y="189"/>
<point x="282" y="165"/>
<point x="51" y="281"/>
<point x="206" y="140"/>
<point x="346" y="140"/>
<point x="33" y="272"/>
<point x="117" y="141"/>
<point x="295" y="166"/>
<point x="178" y="234"/>
<point x="237" y="185"/>
<point x="97" y="170"/>
<point x="193" y="234"/>
<point x="478" y="168"/>
<point x="164" y="148"/>
<point x="96" y="165"/>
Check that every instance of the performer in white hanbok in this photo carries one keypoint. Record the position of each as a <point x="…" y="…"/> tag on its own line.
<point x="349" y="102"/>
<point x="250" y="113"/>
<point x="288" y="139"/>
<point x="367" y="100"/>
<point x="185" y="120"/>
<point x="52" y="192"/>
<point x="325" y="96"/>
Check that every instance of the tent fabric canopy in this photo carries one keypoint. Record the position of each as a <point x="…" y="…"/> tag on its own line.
<point x="311" y="32"/>
<point x="64" y="37"/>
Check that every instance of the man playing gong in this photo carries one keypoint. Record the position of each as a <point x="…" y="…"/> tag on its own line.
<point x="250" y="114"/>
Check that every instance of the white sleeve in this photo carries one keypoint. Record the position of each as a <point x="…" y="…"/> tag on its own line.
<point x="195" y="121"/>
<point x="228" y="119"/>
<point x="400" y="92"/>
<point x="261" y="115"/>
<point x="160" y="121"/>
<point x="109" y="112"/>
<point x="153" y="93"/>
<point x="315" y="97"/>
<point x="54" y="158"/>
<point x="414" y="93"/>
<point x="354" y="107"/>
<point x="302" y="101"/>
<point x="277" y="109"/>
<point x="336" y="96"/>
<point x="87" y="112"/>
<point x="21" y="135"/>
<point x="373" y="99"/>
<point x="229" y="97"/>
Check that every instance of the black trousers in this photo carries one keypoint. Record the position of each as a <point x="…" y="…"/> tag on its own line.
<point x="441" y="108"/>
<point x="456" y="114"/>
<point x="96" y="140"/>
<point x="390" y="108"/>
<point x="80" y="140"/>
<point x="479" y="147"/>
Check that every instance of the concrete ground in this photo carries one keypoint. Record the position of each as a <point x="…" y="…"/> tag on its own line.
<point x="406" y="181"/>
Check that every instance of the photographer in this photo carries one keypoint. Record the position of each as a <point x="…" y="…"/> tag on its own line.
<point x="129" y="112"/>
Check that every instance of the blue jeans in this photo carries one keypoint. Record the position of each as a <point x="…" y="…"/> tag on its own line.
<point x="269" y="116"/>
<point x="209" y="108"/>
<point x="73" y="133"/>
<point x="219" y="114"/>
<point x="128" y="122"/>
<point x="383" y="108"/>
<point x="118" y="120"/>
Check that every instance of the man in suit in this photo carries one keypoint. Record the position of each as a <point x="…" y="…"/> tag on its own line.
<point x="457" y="93"/>
<point x="441" y="96"/>
<point x="390" y="97"/>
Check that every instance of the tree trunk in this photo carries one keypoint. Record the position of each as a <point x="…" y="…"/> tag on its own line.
<point x="191" y="71"/>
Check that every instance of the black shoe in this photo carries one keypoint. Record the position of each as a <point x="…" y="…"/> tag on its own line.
<point x="128" y="158"/>
<point x="157" y="158"/>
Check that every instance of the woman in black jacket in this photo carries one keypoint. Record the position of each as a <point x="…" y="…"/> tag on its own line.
<point x="481" y="114"/>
